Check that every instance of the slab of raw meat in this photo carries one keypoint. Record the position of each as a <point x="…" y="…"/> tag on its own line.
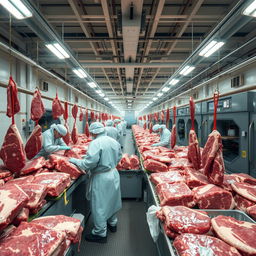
<point x="213" y="197"/>
<point x="169" y="232"/>
<point x="242" y="203"/>
<point x="245" y="190"/>
<point x="195" y="178"/>
<point x="37" y="106"/>
<point x="159" y="158"/>
<point x="212" y="158"/>
<point x="155" y="166"/>
<point x="33" y="165"/>
<point x="72" y="153"/>
<point x="194" y="155"/>
<point x="12" y="151"/>
<point x="74" y="111"/>
<point x="12" y="92"/>
<point x="243" y="177"/>
<point x="22" y="216"/>
<point x="35" y="192"/>
<point x="173" y="136"/>
<point x="63" y="165"/>
<point x="228" y="180"/>
<point x="181" y="163"/>
<point x="49" y="165"/>
<point x="125" y="162"/>
<point x="12" y="200"/>
<point x="175" y="194"/>
<point x="200" y="245"/>
<point x="252" y="211"/>
<point x="181" y="219"/>
<point x="67" y="137"/>
<point x="74" y="134"/>
<point x="57" y="108"/>
<point x="71" y="226"/>
<point x="240" y="234"/>
<point x="56" y="182"/>
<point x="166" y="177"/>
<point x="21" y="181"/>
<point x="31" y="239"/>
<point x="135" y="162"/>
<point x="34" y="142"/>
<point x="4" y="172"/>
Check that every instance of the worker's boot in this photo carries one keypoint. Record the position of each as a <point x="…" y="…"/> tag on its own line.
<point x="95" y="238"/>
<point x="112" y="229"/>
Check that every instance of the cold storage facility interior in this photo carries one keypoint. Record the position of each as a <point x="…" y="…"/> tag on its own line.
<point x="127" y="127"/>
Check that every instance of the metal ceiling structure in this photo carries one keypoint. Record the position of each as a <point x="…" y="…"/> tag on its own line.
<point x="131" y="48"/>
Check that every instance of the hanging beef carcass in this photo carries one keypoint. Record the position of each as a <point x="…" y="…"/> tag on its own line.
<point x="57" y="108"/>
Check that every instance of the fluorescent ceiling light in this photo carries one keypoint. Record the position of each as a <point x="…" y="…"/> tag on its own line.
<point x="106" y="99"/>
<point x="92" y="84"/>
<point x="212" y="47"/>
<point x="102" y="94"/>
<point x="57" y="50"/>
<point x="129" y="107"/>
<point x="155" y="98"/>
<point x="251" y="9"/>
<point x="98" y="91"/>
<point x="150" y="102"/>
<point x="160" y="94"/>
<point x="80" y="73"/>
<point x="110" y="102"/>
<point x="185" y="71"/>
<point x="165" y="89"/>
<point x="174" y="81"/>
<point x="129" y="100"/>
<point x="16" y="8"/>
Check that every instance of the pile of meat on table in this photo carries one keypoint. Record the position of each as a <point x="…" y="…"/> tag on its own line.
<point x="127" y="162"/>
<point x="196" y="234"/>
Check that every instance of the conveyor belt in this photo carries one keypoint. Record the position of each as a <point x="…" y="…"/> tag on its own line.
<point x="132" y="238"/>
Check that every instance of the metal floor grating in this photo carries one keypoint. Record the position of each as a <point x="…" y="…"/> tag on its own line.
<point x="132" y="237"/>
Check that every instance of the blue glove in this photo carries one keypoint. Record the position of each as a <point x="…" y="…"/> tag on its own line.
<point x="73" y="161"/>
<point x="64" y="148"/>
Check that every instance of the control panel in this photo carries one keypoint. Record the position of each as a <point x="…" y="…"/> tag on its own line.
<point x="224" y="104"/>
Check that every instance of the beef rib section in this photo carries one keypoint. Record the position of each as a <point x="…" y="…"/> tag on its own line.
<point x="33" y="165"/>
<point x="155" y="166"/>
<point x="240" y="234"/>
<point x="194" y="154"/>
<point x="166" y="177"/>
<point x="245" y="190"/>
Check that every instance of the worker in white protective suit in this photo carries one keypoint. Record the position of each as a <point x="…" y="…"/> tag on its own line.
<point x="102" y="157"/>
<point x="111" y="131"/>
<point x="165" y="135"/>
<point x="119" y="128"/>
<point x="52" y="140"/>
<point x="124" y="126"/>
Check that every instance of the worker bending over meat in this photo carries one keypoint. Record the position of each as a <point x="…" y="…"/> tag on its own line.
<point x="111" y="131"/>
<point x="103" y="155"/>
<point x="165" y="135"/>
<point x="52" y="140"/>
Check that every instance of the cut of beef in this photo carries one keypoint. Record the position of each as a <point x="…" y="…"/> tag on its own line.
<point x="175" y="194"/>
<point x="74" y="134"/>
<point x="212" y="159"/>
<point x="12" y="92"/>
<point x="169" y="232"/>
<point x="57" y="108"/>
<point x="240" y="234"/>
<point x="69" y="225"/>
<point x="166" y="177"/>
<point x="4" y="172"/>
<point x="135" y="163"/>
<point x="194" y="154"/>
<point x="86" y="130"/>
<point x="245" y="190"/>
<point x="195" y="178"/>
<point x="74" y="111"/>
<point x="33" y="165"/>
<point x="242" y="203"/>
<point x="67" y="137"/>
<point x="125" y="162"/>
<point x="21" y="181"/>
<point x="181" y="163"/>
<point x="228" y="180"/>
<point x="72" y="153"/>
<point x="22" y="216"/>
<point x="202" y="245"/>
<point x="252" y="211"/>
<point x="213" y="197"/>
<point x="63" y="165"/>
<point x="37" y="106"/>
<point x="31" y="239"/>
<point x="155" y="166"/>
<point x="173" y="136"/>
<point x="243" y="177"/>
<point x="159" y="158"/>
<point x="181" y="219"/>
<point x="12" y="151"/>
<point x="36" y="194"/>
<point x="34" y="142"/>
<point x="12" y="200"/>
<point x="56" y="182"/>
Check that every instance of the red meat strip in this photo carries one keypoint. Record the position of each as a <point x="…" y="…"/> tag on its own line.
<point x="22" y="216"/>
<point x="155" y="166"/>
<point x="252" y="211"/>
<point x="37" y="106"/>
<point x="212" y="158"/>
<point x="245" y="190"/>
<point x="12" y="91"/>
<point x="12" y="200"/>
<point x="67" y="137"/>
<point x="125" y="162"/>
<point x="63" y="165"/>
<point x="194" y="155"/>
<point x="175" y="194"/>
<point x="181" y="219"/>
<point x="34" y="142"/>
<point x="4" y="172"/>
<point x="74" y="134"/>
<point x="74" y="111"/>
<point x="166" y="177"/>
<point x="57" y="108"/>
<point x="135" y="163"/>
<point x="242" y="203"/>
<point x="33" y="165"/>
<point x="12" y="152"/>
<point x="173" y="136"/>
<point x="86" y="130"/>
<point x="195" y="178"/>
<point x="240" y="234"/>
<point x="56" y="182"/>
<point x="159" y="158"/>
<point x="61" y="223"/>
<point x="213" y="197"/>
<point x="29" y="237"/>
<point x="198" y="245"/>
